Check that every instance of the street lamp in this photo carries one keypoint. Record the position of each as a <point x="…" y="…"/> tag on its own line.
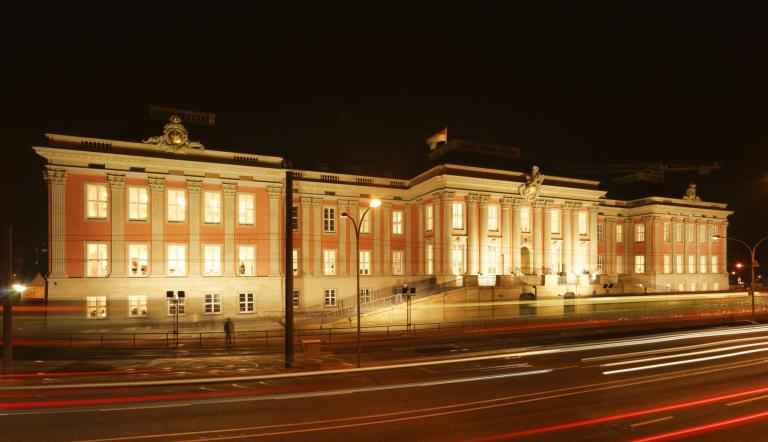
<point x="752" y="264"/>
<point x="176" y="299"/>
<point x="10" y="293"/>
<point x="373" y="204"/>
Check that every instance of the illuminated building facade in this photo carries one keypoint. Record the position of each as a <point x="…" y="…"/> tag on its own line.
<point x="129" y="221"/>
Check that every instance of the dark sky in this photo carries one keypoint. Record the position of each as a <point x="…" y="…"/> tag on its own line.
<point x="634" y="82"/>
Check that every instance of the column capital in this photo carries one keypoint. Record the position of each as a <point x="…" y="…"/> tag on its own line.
<point x="56" y="177"/>
<point x="577" y="206"/>
<point x="517" y="203"/>
<point x="156" y="183"/>
<point x="647" y="218"/>
<point x="116" y="181"/>
<point x="306" y="200"/>
<point x="506" y="202"/>
<point x="594" y="208"/>
<point x="483" y="200"/>
<point x="229" y="188"/>
<point x="448" y="195"/>
<point x="627" y="220"/>
<point x="386" y="205"/>
<point x="274" y="192"/>
<point x="194" y="186"/>
<point x="317" y="202"/>
<point x="568" y="206"/>
<point x="472" y="198"/>
<point x="353" y="204"/>
<point x="540" y="204"/>
<point x="609" y="219"/>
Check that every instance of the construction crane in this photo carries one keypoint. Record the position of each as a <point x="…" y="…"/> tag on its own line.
<point x="634" y="172"/>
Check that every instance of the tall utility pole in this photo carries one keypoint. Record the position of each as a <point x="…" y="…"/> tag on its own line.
<point x="5" y="280"/>
<point x="288" y="269"/>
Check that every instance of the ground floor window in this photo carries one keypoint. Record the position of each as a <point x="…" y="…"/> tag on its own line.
<point x="365" y="296"/>
<point x="96" y="307"/>
<point x="246" y="302"/>
<point x="329" y="298"/>
<point x="173" y="303"/>
<point x="212" y="303"/>
<point x="296" y="298"/>
<point x="137" y="306"/>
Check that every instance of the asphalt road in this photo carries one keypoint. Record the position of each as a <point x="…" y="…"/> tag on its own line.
<point x="710" y="384"/>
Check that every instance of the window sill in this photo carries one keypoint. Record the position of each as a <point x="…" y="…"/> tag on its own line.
<point x="247" y="313"/>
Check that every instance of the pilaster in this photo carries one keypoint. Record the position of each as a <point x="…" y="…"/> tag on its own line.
<point x="538" y="237"/>
<point x="305" y="252"/>
<point x="593" y="210"/>
<point x="317" y="235"/>
<point x="506" y="250"/>
<point x="516" y="227"/>
<point x="407" y="270"/>
<point x="354" y="212"/>
<point x="117" y="202"/>
<point x="57" y="183"/>
<point x="445" y="246"/>
<point x="229" y="189"/>
<point x="420" y="232"/>
<point x="437" y="228"/>
<point x="275" y="193"/>
<point x="157" y="201"/>
<point x="194" y="188"/>
<point x="483" y="204"/>
<point x="546" y="229"/>
<point x="386" y="262"/>
<point x="567" y="237"/>
<point x="343" y="265"/>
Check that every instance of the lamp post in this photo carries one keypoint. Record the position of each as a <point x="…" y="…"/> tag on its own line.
<point x="373" y="204"/>
<point x="752" y="265"/>
<point x="176" y="299"/>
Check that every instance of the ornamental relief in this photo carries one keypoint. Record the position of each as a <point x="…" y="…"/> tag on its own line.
<point x="175" y="138"/>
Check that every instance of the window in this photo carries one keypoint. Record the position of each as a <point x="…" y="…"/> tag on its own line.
<point x="667" y="264"/>
<point x="555" y="220"/>
<point x="177" y="260"/>
<point x="246" y="303"/>
<point x="329" y="219"/>
<point x="678" y="263"/>
<point x="329" y="298"/>
<point x="397" y="262"/>
<point x="365" y="262"/>
<point x="600" y="232"/>
<point x="713" y="233"/>
<point x="689" y="232"/>
<point x="582" y="223"/>
<point x="177" y="205"/>
<point x="667" y="233"/>
<point x="212" y="212"/>
<point x="365" y="296"/>
<point x="429" y="217"/>
<point x="96" y="200"/>
<point x="97" y="257"/>
<point x="458" y="216"/>
<point x="619" y="233"/>
<point x="96" y="307"/>
<point x="619" y="264"/>
<point x="600" y="264"/>
<point x="702" y="264"/>
<point x="713" y="263"/>
<point x="137" y="306"/>
<point x="691" y="263"/>
<point x="247" y="256"/>
<point x="639" y="264"/>
<point x="365" y="223"/>
<point x="296" y="298"/>
<point x="138" y="259"/>
<point x="525" y="219"/>
<point x="329" y="262"/>
<point x="245" y="209"/>
<point x="397" y="222"/>
<point x="639" y="232"/>
<point x="430" y="259"/>
<point x="212" y="303"/>
<point x="295" y="262"/>
<point x="212" y="260"/>
<point x="457" y="257"/>
<point x="678" y="232"/>
<point x="491" y="258"/>
<point x="138" y="203"/>
<point x="493" y="217"/>
<point x="702" y="233"/>
<point x="173" y="303"/>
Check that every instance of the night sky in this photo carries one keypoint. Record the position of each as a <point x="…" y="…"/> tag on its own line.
<point x="675" y="82"/>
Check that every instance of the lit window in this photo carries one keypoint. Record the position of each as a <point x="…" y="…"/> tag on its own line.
<point x="329" y="219"/>
<point x="329" y="262"/>
<point x="138" y="203"/>
<point x="458" y="216"/>
<point x="457" y="260"/>
<point x="212" y="210"/>
<point x="619" y="233"/>
<point x="525" y="219"/>
<point x="365" y="223"/>
<point x="667" y="233"/>
<point x="212" y="303"/>
<point x="246" y="303"/>
<point x="365" y="262"/>
<point x="491" y="258"/>
<point x="97" y="259"/>
<point x="691" y="263"/>
<point x="430" y="259"/>
<point x="714" y="264"/>
<point x="212" y="260"/>
<point x="702" y="264"/>
<point x="639" y="232"/>
<point x="639" y="264"/>
<point x="138" y="257"/>
<point x="365" y="296"/>
<point x="247" y="256"/>
<point x="177" y="205"/>
<point x="329" y="297"/>
<point x="600" y="234"/>
<point x="600" y="264"/>
<point x="667" y="264"/>
<point x="429" y="216"/>
<point x="397" y="262"/>
<point x="96" y="195"/>
<point x="619" y="264"/>
<point x="678" y="232"/>
<point x="137" y="306"/>
<point x="493" y="217"/>
<point x="245" y="209"/>
<point x="296" y="297"/>
<point x="555" y="220"/>
<point x="176" y="259"/>
<point x="582" y="223"/>
<point x="397" y="222"/>
<point x="96" y="306"/>
<point x="295" y="262"/>
<point x="678" y="263"/>
<point x="702" y="233"/>
<point x="173" y="303"/>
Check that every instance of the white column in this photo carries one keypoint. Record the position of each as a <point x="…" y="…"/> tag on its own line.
<point x="317" y="235"/>
<point x="547" y="237"/>
<point x="408" y="235"/>
<point x="609" y="238"/>
<point x="724" y="248"/>
<point x="593" y="210"/>
<point x="506" y="231"/>
<point x="229" y="189"/>
<point x="386" y="262"/>
<point x="194" y="187"/>
<point x="354" y="212"/>
<point x="709" y="245"/>
<point x="420" y="233"/>
<point x="483" y="203"/>
<point x="568" y="237"/>
<point x="343" y="265"/>
<point x="57" y="183"/>
<point x="445" y="247"/>
<point x="437" y="227"/>
<point x="305" y="220"/>
<point x="275" y="193"/>
<point x="375" y="216"/>
<point x="673" y="259"/>
<point x="516" y="230"/>
<point x="473" y="247"/>
<point x="538" y="236"/>
<point x="629" y="238"/>
<point x="648" y="220"/>
<point x="117" y="206"/>
<point x="575" y="236"/>
<point x="157" y="201"/>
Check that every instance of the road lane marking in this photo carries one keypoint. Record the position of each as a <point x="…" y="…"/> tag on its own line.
<point x="680" y="355"/>
<point x="730" y="404"/>
<point x="687" y="361"/>
<point x="652" y="421"/>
